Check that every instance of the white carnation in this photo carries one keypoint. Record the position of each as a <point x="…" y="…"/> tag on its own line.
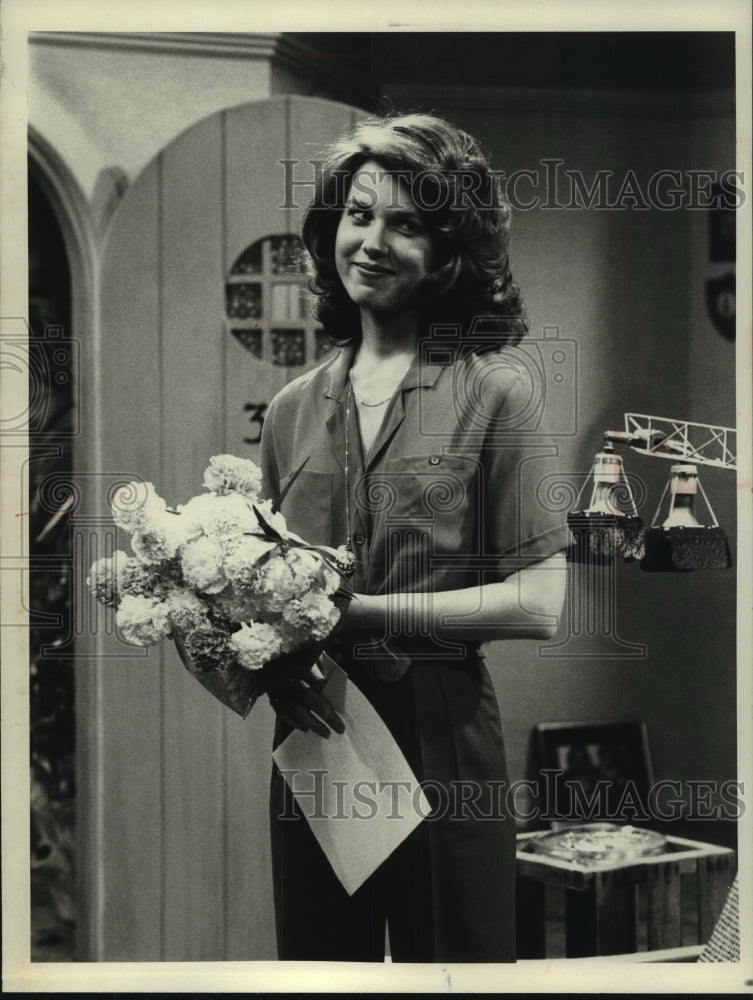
<point x="186" y="611"/>
<point x="308" y="567"/>
<point x="331" y="580"/>
<point x="194" y="514"/>
<point x="223" y="517"/>
<point x="135" y="578"/>
<point x="105" y="580"/>
<point x="158" y="538"/>
<point x="191" y="517"/>
<point x="229" y="474"/>
<point x="134" y="505"/>
<point x="201" y="561"/>
<point x="141" y="578"/>
<point x="256" y="644"/>
<point x="142" y="621"/>
<point x="313" y="613"/>
<point x="236" y="604"/>
<point x="240" y="562"/>
<point x="276" y="584"/>
<point x="292" y="638"/>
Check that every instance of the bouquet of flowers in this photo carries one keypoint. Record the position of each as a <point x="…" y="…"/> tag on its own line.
<point x="224" y="578"/>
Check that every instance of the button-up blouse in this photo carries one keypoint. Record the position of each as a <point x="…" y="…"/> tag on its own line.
<point x="451" y="494"/>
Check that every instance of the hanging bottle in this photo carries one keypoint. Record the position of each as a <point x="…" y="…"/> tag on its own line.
<point x="681" y="542"/>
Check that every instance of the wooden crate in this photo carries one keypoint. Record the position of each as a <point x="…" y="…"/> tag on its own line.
<point x="600" y="903"/>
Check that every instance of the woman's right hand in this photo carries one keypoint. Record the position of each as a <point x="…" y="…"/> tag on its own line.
<point x="294" y="684"/>
<point x="301" y="704"/>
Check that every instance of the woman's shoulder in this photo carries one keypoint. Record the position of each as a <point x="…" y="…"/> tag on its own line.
<point x="497" y="377"/>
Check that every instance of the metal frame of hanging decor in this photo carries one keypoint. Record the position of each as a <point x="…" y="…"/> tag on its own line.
<point x="662" y="437"/>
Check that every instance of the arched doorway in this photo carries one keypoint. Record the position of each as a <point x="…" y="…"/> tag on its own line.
<point x="200" y="324"/>
<point x="58" y="292"/>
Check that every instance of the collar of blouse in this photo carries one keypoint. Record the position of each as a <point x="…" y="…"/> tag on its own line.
<point x="425" y="369"/>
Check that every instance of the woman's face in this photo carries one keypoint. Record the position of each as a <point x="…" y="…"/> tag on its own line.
<point x="383" y="250"/>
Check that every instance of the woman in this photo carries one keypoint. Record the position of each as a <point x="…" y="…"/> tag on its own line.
<point x="418" y="451"/>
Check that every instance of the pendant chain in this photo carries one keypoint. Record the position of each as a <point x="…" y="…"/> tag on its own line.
<point x="348" y="524"/>
<point x="348" y="520"/>
<point x="362" y="402"/>
<point x="352" y="396"/>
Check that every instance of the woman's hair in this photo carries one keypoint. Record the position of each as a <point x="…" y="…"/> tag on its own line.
<point x="462" y="206"/>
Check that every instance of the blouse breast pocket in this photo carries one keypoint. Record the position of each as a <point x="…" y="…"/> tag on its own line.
<point x="437" y="492"/>
<point x="308" y="506"/>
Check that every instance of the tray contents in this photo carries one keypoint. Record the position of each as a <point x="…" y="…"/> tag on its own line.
<point x="592" y="845"/>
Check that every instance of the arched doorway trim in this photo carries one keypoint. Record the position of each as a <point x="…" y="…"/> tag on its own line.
<point x="73" y="214"/>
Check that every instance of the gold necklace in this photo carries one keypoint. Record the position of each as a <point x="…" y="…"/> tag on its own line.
<point x="362" y="402"/>
<point x="350" y="397"/>
<point x="348" y="520"/>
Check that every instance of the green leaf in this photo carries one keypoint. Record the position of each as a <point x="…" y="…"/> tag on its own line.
<point x="277" y="502"/>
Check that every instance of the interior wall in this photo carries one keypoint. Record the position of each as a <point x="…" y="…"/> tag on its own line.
<point x="709" y="604"/>
<point x="114" y="101"/>
<point x="103" y="105"/>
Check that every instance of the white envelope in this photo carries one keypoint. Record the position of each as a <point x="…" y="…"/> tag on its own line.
<point x="367" y="799"/>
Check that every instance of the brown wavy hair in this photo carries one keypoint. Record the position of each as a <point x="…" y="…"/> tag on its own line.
<point x="462" y="206"/>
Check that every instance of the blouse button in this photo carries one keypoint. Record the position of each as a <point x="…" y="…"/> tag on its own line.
<point x="360" y="539"/>
<point x="434" y="460"/>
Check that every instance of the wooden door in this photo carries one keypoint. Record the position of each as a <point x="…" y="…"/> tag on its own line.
<point x="175" y="860"/>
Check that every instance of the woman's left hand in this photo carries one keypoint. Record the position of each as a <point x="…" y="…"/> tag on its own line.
<point x="526" y="605"/>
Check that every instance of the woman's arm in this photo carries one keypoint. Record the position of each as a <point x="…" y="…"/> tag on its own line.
<point x="526" y="605"/>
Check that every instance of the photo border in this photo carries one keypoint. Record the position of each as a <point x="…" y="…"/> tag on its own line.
<point x="20" y="16"/>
